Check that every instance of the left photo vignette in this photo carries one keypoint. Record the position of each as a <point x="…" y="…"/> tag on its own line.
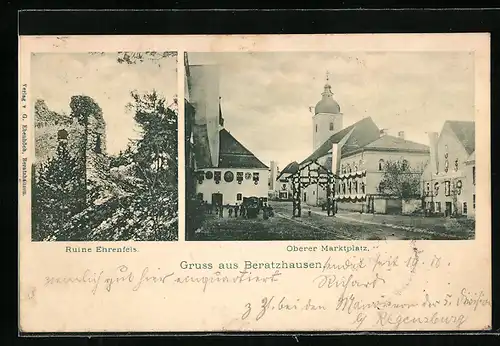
<point x="105" y="164"/>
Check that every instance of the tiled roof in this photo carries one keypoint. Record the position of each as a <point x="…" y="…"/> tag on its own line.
<point x="396" y="143"/>
<point x="364" y="132"/>
<point x="233" y="154"/>
<point x="291" y="168"/>
<point x="465" y="132"/>
<point x="327" y="165"/>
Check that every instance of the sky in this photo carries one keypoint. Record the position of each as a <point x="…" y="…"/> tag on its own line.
<point x="266" y="96"/>
<point x="55" y="77"/>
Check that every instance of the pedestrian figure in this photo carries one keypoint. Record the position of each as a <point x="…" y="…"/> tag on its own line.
<point x="236" y="207"/>
<point x="271" y="211"/>
<point x="230" y="211"/>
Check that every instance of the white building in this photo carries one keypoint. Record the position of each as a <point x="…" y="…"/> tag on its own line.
<point x="449" y="181"/>
<point x="283" y="183"/>
<point x="225" y="171"/>
<point x="357" y="155"/>
<point x="238" y="174"/>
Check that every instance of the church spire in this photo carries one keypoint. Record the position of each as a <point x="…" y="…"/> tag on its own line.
<point x="328" y="89"/>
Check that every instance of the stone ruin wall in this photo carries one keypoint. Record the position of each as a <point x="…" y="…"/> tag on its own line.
<point x="47" y="125"/>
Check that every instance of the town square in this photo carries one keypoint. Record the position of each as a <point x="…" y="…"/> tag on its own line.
<point x="286" y="160"/>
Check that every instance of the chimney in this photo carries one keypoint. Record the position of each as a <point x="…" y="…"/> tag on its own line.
<point x="433" y="139"/>
<point x="401" y="134"/>
<point x="336" y="155"/>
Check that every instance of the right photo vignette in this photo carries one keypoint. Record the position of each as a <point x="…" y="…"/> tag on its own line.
<point x="329" y="146"/>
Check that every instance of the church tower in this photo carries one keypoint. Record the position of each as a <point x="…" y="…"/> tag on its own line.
<point x="327" y="118"/>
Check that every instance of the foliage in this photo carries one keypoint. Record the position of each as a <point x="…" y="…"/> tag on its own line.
<point x="141" y="200"/>
<point x="138" y="57"/>
<point x="154" y="160"/>
<point x="400" y="180"/>
<point x="59" y="193"/>
<point x="122" y="159"/>
<point x="84" y="106"/>
<point x="149" y="217"/>
<point x="148" y="210"/>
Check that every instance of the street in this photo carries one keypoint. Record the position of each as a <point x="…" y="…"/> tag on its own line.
<point x="316" y="225"/>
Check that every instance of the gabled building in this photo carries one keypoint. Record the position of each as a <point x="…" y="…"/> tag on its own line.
<point x="449" y="181"/>
<point x="223" y="171"/>
<point x="357" y="155"/>
<point x="283" y="183"/>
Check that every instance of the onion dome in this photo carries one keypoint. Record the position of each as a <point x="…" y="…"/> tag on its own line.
<point x="327" y="104"/>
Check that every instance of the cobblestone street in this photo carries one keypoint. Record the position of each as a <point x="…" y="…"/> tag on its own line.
<point x="343" y="226"/>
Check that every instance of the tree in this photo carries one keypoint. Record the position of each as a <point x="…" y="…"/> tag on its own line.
<point x="400" y="180"/>
<point x="146" y="208"/>
<point x="153" y="210"/>
<point x="59" y="193"/>
<point x="138" y="57"/>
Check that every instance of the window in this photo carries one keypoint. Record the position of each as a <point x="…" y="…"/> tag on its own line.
<point x="331" y="126"/>
<point x="438" y="207"/>
<point x="316" y="127"/>
<point x="305" y="197"/>
<point x="239" y="196"/>
<point x="98" y="148"/>
<point x="314" y="192"/>
<point x="362" y="187"/>
<point x="464" y="209"/>
<point x="380" y="164"/>
<point x="473" y="201"/>
<point x="446" y="188"/>
<point x="355" y="187"/>
<point x="473" y="175"/>
<point x="428" y="188"/>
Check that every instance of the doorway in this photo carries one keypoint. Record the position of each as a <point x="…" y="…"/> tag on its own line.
<point x="216" y="198"/>
<point x="448" y="209"/>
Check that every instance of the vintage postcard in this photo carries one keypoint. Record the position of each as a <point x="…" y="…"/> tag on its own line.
<point x="254" y="183"/>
